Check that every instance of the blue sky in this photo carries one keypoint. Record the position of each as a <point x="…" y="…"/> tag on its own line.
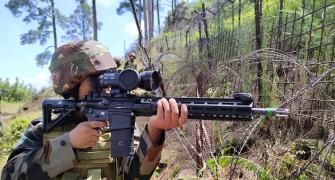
<point x="18" y="60"/>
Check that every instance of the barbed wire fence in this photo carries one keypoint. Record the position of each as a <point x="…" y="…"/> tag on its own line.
<point x="282" y="52"/>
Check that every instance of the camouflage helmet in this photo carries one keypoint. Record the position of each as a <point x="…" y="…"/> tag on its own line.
<point x="75" y="61"/>
<point x="132" y="54"/>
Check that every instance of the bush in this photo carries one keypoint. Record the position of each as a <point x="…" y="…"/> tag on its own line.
<point x="11" y="134"/>
<point x="225" y="161"/>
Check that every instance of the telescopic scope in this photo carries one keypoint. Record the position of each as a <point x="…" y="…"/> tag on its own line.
<point x="129" y="79"/>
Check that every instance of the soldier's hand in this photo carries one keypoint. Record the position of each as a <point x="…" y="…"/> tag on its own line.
<point x="167" y="117"/>
<point x="85" y="134"/>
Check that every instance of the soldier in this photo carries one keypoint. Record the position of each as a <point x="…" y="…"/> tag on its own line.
<point x="77" y="150"/>
<point x="131" y="62"/>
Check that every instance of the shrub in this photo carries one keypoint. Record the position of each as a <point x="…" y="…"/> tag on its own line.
<point x="11" y="134"/>
<point x="225" y="161"/>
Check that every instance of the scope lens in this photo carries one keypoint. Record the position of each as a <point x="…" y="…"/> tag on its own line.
<point x="149" y="80"/>
<point x="129" y="79"/>
<point x="155" y="81"/>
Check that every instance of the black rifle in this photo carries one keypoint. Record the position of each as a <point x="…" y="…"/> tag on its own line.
<point x="119" y="107"/>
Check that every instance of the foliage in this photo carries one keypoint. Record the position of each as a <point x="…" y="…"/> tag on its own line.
<point x="17" y="91"/>
<point x="175" y="170"/>
<point x="176" y="18"/>
<point x="43" y="57"/>
<point x="303" y="30"/>
<point x="11" y="134"/>
<point x="125" y="6"/>
<point x="197" y="6"/>
<point x="78" y="26"/>
<point x="287" y="164"/>
<point x="41" y="13"/>
<point x="225" y="161"/>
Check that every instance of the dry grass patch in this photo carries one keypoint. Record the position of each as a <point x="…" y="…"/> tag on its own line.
<point x="10" y="107"/>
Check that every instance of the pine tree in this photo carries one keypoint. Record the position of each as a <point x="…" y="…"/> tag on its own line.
<point x="79" y="25"/>
<point x="44" y="13"/>
<point x="140" y="7"/>
<point x="95" y="23"/>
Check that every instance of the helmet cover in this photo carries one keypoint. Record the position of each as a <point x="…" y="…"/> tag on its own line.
<point x="75" y="61"/>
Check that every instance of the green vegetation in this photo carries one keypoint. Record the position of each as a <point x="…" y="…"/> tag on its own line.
<point x="297" y="46"/>
<point x="225" y="161"/>
<point x="175" y="170"/>
<point x="48" y="18"/>
<point x="11" y="134"/>
<point x="17" y="116"/>
<point x="15" y="92"/>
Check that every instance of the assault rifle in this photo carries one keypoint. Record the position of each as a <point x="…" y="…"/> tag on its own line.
<point x="119" y="107"/>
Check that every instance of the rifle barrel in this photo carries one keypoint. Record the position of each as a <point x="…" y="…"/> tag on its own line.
<point x="280" y="112"/>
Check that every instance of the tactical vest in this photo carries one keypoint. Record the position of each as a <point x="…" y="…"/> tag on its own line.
<point x="92" y="163"/>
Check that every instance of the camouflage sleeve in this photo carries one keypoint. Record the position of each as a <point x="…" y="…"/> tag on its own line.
<point x="33" y="159"/>
<point x="126" y="65"/>
<point x="146" y="158"/>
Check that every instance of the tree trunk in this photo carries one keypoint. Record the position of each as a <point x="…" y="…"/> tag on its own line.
<point x="145" y="21"/>
<point x="158" y="19"/>
<point x="209" y="54"/>
<point x="140" y="12"/>
<point x="280" y="21"/>
<point x="95" y="26"/>
<point x="54" y="23"/>
<point x="83" y="24"/>
<point x="149" y="8"/>
<point x="152" y="17"/>
<point x="258" y="20"/>
<point x="172" y="6"/>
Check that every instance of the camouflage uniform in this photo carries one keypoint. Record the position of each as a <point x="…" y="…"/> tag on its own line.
<point x="39" y="155"/>
<point x="131" y="64"/>
<point x="35" y="157"/>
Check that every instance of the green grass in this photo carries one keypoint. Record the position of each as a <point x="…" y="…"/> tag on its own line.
<point x="225" y="161"/>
